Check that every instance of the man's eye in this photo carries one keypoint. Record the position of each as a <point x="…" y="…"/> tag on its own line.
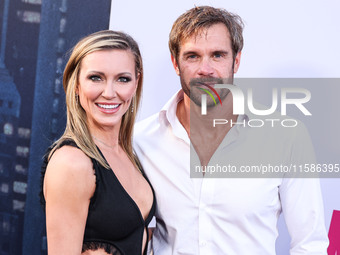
<point x="95" y="78"/>
<point x="218" y="55"/>
<point x="124" y="79"/>
<point x="192" y="56"/>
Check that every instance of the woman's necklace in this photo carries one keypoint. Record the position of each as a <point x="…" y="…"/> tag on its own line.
<point x="110" y="146"/>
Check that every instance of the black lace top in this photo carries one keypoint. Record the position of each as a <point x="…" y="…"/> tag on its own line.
<point x="114" y="222"/>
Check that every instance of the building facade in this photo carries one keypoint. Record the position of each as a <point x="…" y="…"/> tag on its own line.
<point x="35" y="38"/>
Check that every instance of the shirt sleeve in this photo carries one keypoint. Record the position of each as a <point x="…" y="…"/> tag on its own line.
<point x="302" y="204"/>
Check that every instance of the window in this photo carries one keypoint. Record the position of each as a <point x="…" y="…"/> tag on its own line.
<point x="59" y="66"/>
<point x="60" y="45"/>
<point x="57" y="86"/>
<point x="18" y="205"/>
<point x="24" y="133"/>
<point x="8" y="129"/>
<point x="20" y="169"/>
<point x="4" y="188"/>
<point x="54" y="127"/>
<point x="32" y="1"/>
<point x="62" y="25"/>
<point x="29" y="16"/>
<point x="22" y="151"/>
<point x="55" y="105"/>
<point x="44" y="243"/>
<point x="6" y="226"/>
<point x="3" y="170"/>
<point x="20" y="187"/>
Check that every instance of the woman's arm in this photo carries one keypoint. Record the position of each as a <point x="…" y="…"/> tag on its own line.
<point x="68" y="186"/>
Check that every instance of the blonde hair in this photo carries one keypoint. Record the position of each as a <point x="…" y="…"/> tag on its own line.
<point x="76" y="126"/>
<point x="194" y="20"/>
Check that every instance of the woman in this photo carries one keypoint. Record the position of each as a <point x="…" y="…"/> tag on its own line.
<point x="96" y="196"/>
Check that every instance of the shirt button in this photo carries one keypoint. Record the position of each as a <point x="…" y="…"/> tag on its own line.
<point x="203" y="243"/>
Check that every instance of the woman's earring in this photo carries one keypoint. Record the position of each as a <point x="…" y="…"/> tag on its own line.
<point x="132" y="104"/>
<point x="77" y="99"/>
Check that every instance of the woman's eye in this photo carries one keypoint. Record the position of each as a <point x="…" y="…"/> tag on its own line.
<point x="124" y="79"/>
<point x="95" y="78"/>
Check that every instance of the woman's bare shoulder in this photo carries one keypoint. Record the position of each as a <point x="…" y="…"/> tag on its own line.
<point x="70" y="157"/>
<point x="70" y="169"/>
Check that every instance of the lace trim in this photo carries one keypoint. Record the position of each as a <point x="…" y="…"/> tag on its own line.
<point x="108" y="248"/>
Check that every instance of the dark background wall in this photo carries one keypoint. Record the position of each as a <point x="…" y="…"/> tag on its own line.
<point x="35" y="37"/>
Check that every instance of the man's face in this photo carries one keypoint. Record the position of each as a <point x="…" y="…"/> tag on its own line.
<point x="206" y="59"/>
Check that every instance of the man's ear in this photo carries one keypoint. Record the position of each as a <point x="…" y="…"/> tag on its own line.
<point x="237" y="62"/>
<point x="175" y="64"/>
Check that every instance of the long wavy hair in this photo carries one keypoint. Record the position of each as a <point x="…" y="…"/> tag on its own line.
<point x="76" y="126"/>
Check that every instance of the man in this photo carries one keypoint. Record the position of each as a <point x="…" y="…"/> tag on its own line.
<point x="233" y="216"/>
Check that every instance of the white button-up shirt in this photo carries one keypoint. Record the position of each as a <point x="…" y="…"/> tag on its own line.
<point x="233" y="216"/>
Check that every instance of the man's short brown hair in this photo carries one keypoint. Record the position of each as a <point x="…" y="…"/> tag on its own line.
<point x="202" y="17"/>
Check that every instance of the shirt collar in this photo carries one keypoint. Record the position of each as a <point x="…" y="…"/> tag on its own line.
<point x="168" y="116"/>
<point x="170" y="108"/>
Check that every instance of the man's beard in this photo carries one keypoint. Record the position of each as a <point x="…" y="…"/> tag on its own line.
<point x="194" y="89"/>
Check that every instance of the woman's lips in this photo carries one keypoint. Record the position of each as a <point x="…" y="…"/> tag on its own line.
<point x="108" y="108"/>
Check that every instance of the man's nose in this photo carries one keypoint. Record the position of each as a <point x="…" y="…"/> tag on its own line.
<point x="205" y="68"/>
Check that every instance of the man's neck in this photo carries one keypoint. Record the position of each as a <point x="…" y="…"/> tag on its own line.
<point x="183" y="113"/>
<point x="203" y="136"/>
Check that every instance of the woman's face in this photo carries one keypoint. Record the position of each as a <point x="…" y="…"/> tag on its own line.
<point x="106" y="85"/>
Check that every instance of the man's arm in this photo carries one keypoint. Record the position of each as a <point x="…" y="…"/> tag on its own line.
<point x="302" y="203"/>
